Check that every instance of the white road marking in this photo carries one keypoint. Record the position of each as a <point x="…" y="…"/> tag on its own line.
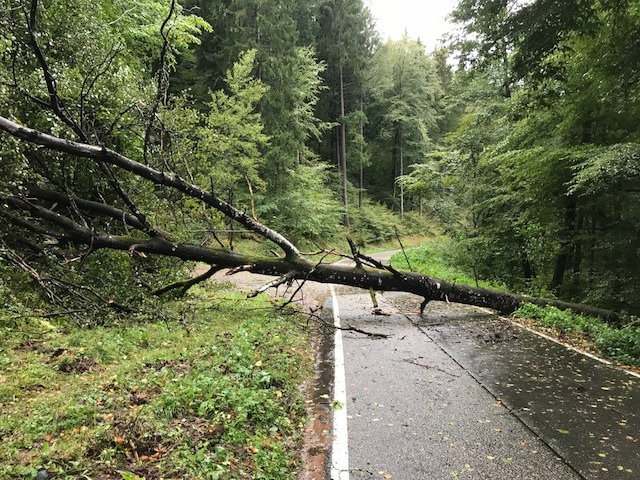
<point x="340" y="448"/>
<point x="570" y="347"/>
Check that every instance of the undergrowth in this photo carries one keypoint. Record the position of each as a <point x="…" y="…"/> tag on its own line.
<point x="619" y="344"/>
<point x="212" y="395"/>
<point x="439" y="259"/>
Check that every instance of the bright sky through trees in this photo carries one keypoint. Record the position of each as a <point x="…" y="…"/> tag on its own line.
<point x="423" y="19"/>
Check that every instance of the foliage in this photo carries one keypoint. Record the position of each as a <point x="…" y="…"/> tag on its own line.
<point x="307" y="210"/>
<point x="621" y="344"/>
<point x="288" y="69"/>
<point x="442" y="258"/>
<point x="542" y="160"/>
<point x="403" y="87"/>
<point x="222" y="146"/>
<point x="373" y="223"/>
<point x="213" y="396"/>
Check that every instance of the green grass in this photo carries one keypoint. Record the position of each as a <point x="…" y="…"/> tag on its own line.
<point x="437" y="259"/>
<point x="214" y="395"/>
<point x="619" y="344"/>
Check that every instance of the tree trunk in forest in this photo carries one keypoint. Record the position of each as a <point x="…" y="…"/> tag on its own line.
<point x="506" y="81"/>
<point x="577" y="248"/>
<point x="32" y="210"/>
<point x="361" y="176"/>
<point x="562" y="259"/>
<point x="401" y="174"/>
<point x="527" y="269"/>
<point x="394" y="161"/>
<point x="343" y="151"/>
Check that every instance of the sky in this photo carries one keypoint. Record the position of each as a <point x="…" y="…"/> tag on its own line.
<point x="424" y="19"/>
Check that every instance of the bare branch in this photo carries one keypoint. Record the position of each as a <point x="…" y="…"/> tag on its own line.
<point x="404" y="252"/>
<point x="104" y="155"/>
<point x="56" y="103"/>
<point x="90" y="80"/>
<point x="185" y="285"/>
<point x="93" y="207"/>
<point x="162" y="77"/>
<point x="274" y="284"/>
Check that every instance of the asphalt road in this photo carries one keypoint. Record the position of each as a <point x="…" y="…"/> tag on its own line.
<point x="460" y="393"/>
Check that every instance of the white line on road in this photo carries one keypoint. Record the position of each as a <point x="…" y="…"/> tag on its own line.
<point x="340" y="448"/>
<point x="570" y="347"/>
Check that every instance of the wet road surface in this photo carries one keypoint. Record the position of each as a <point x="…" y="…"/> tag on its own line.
<point x="460" y="393"/>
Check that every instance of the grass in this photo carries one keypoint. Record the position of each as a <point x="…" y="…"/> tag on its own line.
<point x="437" y="259"/>
<point x="212" y="396"/>
<point x="619" y="344"/>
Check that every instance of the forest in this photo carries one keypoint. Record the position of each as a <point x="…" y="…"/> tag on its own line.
<point x="515" y="139"/>
<point x="137" y="136"/>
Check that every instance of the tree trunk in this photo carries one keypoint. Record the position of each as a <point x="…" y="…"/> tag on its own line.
<point x="401" y="174"/>
<point x="394" y="161"/>
<point x="361" y="176"/>
<point x="343" y="151"/>
<point x="506" y="81"/>
<point x="562" y="259"/>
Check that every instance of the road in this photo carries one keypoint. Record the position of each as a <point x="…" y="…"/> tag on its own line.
<point x="462" y="393"/>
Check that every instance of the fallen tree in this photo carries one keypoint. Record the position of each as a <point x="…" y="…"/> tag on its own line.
<point x="69" y="192"/>
<point x="60" y="217"/>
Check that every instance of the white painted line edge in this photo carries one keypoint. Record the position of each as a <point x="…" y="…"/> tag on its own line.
<point x="570" y="347"/>
<point x="340" y="448"/>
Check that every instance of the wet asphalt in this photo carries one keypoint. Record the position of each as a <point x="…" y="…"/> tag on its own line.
<point x="460" y="393"/>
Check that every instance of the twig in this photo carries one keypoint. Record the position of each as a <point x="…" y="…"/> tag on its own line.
<point x="413" y="362"/>
<point x="162" y="76"/>
<point x="356" y="257"/>
<point x="375" y="263"/>
<point x="304" y="280"/>
<point x="56" y="103"/>
<point x="185" y="285"/>
<point x="347" y="329"/>
<point x="403" y="250"/>
<point x="356" y="254"/>
<point x="253" y="200"/>
<point x="274" y="284"/>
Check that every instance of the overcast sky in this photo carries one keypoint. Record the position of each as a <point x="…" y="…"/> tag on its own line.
<point x="424" y="19"/>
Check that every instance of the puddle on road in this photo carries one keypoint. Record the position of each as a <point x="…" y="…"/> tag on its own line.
<point x="587" y="411"/>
